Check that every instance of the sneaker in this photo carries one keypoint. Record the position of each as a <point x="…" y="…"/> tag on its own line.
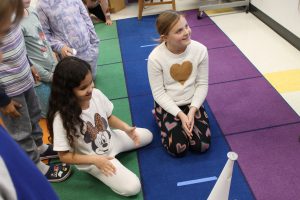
<point x="49" y="153"/>
<point x="58" y="172"/>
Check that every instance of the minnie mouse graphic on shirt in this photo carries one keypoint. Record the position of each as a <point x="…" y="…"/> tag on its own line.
<point x="98" y="135"/>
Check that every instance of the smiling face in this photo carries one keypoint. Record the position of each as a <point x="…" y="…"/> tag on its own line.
<point x="83" y="92"/>
<point x="179" y="36"/>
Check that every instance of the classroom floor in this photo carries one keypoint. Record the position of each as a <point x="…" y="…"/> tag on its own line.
<point x="252" y="68"/>
<point x="272" y="55"/>
<point x="267" y="146"/>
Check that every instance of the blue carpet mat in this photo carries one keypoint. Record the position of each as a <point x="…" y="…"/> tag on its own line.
<point x="160" y="172"/>
<point x="137" y="47"/>
<point x="137" y="78"/>
<point x="136" y="27"/>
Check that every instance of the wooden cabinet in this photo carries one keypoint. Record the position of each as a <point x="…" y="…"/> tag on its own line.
<point x="116" y="5"/>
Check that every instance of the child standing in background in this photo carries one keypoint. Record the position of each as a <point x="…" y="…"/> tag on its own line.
<point x="178" y="75"/>
<point x="40" y="54"/>
<point x="68" y="26"/>
<point x="79" y="121"/>
<point x="19" y="105"/>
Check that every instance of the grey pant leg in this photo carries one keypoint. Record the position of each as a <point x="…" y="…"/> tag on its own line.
<point x="24" y="129"/>
<point x="93" y="64"/>
<point x="35" y="116"/>
<point x="90" y="56"/>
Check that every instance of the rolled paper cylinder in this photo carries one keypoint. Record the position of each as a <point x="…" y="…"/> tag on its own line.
<point x="74" y="52"/>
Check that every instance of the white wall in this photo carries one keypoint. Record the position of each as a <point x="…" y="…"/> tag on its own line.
<point x="284" y="12"/>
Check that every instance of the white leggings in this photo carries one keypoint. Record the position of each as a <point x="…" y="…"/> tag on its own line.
<point x="124" y="182"/>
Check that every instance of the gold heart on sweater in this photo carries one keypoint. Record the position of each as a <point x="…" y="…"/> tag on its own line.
<point x="182" y="72"/>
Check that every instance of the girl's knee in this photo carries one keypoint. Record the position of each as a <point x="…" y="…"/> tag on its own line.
<point x="132" y="188"/>
<point x="200" y="147"/>
<point x="204" y="147"/>
<point x="178" y="150"/>
<point x="146" y="136"/>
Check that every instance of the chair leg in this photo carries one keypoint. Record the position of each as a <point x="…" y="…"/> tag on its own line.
<point x="141" y="4"/>
<point x="141" y="7"/>
<point x="173" y="5"/>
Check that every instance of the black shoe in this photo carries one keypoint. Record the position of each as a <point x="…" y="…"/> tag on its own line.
<point x="49" y="153"/>
<point x="58" y="172"/>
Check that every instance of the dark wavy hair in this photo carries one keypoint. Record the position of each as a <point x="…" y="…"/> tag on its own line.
<point x="68" y="75"/>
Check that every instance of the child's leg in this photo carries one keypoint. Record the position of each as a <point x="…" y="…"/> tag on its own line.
<point x="93" y="64"/>
<point x="124" y="182"/>
<point x="43" y="93"/>
<point x="201" y="132"/>
<point x="44" y="150"/>
<point x="34" y="112"/>
<point x="122" y="142"/>
<point x="97" y="11"/>
<point x="21" y="129"/>
<point x="173" y="137"/>
<point x="90" y="55"/>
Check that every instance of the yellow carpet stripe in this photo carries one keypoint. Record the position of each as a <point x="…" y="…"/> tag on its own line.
<point x="285" y="81"/>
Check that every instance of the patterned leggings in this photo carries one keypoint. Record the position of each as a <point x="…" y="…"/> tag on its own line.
<point x="174" y="138"/>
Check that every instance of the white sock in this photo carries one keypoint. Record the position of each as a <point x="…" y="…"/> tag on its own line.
<point x="42" y="167"/>
<point x="43" y="148"/>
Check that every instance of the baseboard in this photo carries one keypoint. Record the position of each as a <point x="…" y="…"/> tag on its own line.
<point x="283" y="32"/>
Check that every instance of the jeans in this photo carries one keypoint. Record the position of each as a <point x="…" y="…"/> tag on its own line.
<point x="25" y="130"/>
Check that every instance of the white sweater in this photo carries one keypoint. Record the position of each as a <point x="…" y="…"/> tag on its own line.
<point x="179" y="79"/>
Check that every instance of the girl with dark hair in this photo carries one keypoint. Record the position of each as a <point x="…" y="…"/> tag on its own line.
<point x="79" y="120"/>
<point x="178" y="75"/>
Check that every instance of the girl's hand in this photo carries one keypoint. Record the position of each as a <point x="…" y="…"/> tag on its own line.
<point x="108" y="22"/>
<point x="35" y="74"/>
<point x="104" y="164"/>
<point x="133" y="135"/>
<point x="66" y="51"/>
<point x="11" y="109"/>
<point x="185" y="124"/>
<point x="191" y="117"/>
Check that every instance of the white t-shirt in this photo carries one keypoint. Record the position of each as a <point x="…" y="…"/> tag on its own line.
<point x="179" y="79"/>
<point x="97" y="135"/>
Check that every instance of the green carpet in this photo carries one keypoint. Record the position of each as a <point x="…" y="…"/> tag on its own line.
<point x="111" y="81"/>
<point x="121" y="110"/>
<point x="105" y="32"/>
<point x="82" y="186"/>
<point x="109" y="52"/>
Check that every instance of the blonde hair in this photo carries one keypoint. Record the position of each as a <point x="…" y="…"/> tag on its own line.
<point x="166" y="21"/>
<point x="11" y="10"/>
